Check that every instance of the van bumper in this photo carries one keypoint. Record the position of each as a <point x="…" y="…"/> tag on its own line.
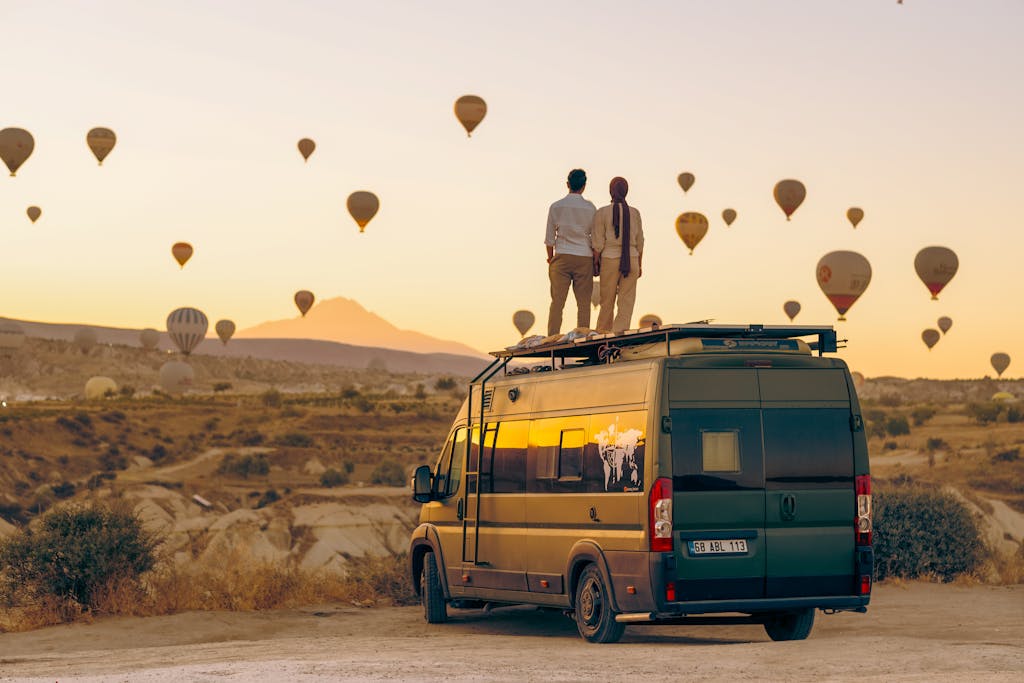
<point x="677" y="611"/>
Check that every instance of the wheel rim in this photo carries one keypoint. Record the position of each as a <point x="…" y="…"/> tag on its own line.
<point x="591" y="603"/>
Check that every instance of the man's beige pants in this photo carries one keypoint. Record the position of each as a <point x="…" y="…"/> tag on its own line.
<point x="612" y="280"/>
<point x="565" y="270"/>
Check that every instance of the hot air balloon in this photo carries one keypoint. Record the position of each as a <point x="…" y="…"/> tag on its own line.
<point x="16" y="145"/>
<point x="84" y="339"/>
<point x="936" y="266"/>
<point x="101" y="141"/>
<point x="789" y="195"/>
<point x="176" y="376"/>
<point x="11" y="335"/>
<point x="1000" y="361"/>
<point x="858" y="379"/>
<point x="729" y="215"/>
<point x="930" y="337"/>
<point x="363" y="206"/>
<point x="224" y="328"/>
<point x="99" y="387"/>
<point x="182" y="252"/>
<point x="854" y="215"/>
<point x="945" y="323"/>
<point x="523" y="320"/>
<point x="791" y="308"/>
<point x="470" y="110"/>
<point x="691" y="227"/>
<point x="843" y="276"/>
<point x="149" y="338"/>
<point x="686" y="181"/>
<point x="34" y="212"/>
<point x="304" y="301"/>
<point x="187" y="327"/>
<point x="649" y="320"/>
<point x="306" y="147"/>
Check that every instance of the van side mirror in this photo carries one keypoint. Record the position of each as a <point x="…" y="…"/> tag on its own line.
<point x="421" y="492"/>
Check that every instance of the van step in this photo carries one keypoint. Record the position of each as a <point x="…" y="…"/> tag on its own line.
<point x="635" y="617"/>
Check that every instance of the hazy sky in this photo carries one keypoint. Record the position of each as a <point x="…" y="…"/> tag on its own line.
<point x="913" y="112"/>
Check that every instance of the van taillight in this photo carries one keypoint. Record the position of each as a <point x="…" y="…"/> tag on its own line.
<point x="863" y="521"/>
<point x="660" y="513"/>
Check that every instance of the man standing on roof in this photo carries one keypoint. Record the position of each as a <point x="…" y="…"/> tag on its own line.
<point x="570" y="253"/>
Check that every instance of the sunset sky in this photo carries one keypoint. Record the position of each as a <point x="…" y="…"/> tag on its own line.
<point x="913" y="112"/>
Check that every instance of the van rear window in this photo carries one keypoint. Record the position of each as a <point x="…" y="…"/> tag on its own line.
<point x="807" y="448"/>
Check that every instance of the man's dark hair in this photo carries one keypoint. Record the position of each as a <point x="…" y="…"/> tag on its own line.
<point x="577" y="179"/>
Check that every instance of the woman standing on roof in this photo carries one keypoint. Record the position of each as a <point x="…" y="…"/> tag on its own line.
<point x="618" y="240"/>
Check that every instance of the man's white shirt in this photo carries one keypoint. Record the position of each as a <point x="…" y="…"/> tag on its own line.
<point x="569" y="224"/>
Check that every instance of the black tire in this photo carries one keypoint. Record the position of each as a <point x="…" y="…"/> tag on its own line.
<point x="435" y="611"/>
<point x="595" y="619"/>
<point x="790" y="625"/>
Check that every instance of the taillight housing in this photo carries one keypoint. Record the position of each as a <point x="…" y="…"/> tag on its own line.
<point x="862" y="523"/>
<point x="660" y="515"/>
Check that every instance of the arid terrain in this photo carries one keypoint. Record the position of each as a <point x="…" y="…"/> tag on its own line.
<point x="912" y="632"/>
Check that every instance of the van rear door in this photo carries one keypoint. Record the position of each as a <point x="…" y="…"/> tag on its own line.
<point x="718" y="484"/>
<point x="809" y="482"/>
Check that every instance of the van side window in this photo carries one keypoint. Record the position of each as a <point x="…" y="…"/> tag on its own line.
<point x="508" y="472"/>
<point x="720" y="451"/>
<point x="449" y="469"/>
<point x="570" y="454"/>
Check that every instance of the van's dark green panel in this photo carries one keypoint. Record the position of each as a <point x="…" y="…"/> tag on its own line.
<point x="739" y="384"/>
<point x="808" y="448"/>
<point x="793" y="384"/>
<point x="744" y="588"/>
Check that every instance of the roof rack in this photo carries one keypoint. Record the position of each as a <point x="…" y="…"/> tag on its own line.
<point x="597" y="348"/>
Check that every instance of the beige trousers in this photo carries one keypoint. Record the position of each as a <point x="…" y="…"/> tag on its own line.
<point x="612" y="280"/>
<point x="565" y="270"/>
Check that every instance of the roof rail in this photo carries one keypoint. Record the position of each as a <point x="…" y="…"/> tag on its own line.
<point x="597" y="348"/>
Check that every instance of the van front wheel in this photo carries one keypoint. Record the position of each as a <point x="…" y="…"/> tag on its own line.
<point x="594" y="616"/>
<point x="434" y="609"/>
<point x="790" y="625"/>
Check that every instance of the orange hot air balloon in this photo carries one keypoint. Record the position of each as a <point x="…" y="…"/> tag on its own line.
<point x="936" y="266"/>
<point x="930" y="337"/>
<point x="304" y="301"/>
<point x="306" y="147"/>
<point x="691" y="228"/>
<point x="182" y="252"/>
<point x="729" y="215"/>
<point x="224" y="328"/>
<point x="945" y="323"/>
<point x="523" y="320"/>
<point x="470" y="110"/>
<point x="791" y="308"/>
<point x="686" y="181"/>
<point x="649" y="320"/>
<point x="1000" y="361"/>
<point x="854" y="215"/>
<point x="34" y="212"/>
<point x="789" y="195"/>
<point x="843" y="276"/>
<point x="363" y="207"/>
<point x="101" y="141"/>
<point x="16" y="145"/>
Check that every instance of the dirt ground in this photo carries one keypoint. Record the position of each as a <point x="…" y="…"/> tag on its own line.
<point x="915" y="632"/>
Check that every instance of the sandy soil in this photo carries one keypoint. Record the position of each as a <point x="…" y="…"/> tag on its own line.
<point x="917" y="632"/>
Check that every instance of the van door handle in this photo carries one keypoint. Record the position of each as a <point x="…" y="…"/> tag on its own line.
<point x="458" y="509"/>
<point x="788" y="506"/>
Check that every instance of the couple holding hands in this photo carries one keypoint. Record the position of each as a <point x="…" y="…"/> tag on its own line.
<point x="584" y="242"/>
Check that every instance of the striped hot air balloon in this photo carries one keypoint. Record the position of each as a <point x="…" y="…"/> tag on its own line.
<point x="187" y="327"/>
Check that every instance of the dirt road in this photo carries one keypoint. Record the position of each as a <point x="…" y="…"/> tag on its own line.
<point x="917" y="632"/>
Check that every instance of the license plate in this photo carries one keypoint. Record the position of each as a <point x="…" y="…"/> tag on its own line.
<point x="729" y="546"/>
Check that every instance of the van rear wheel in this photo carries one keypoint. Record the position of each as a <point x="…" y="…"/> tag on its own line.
<point x="435" y="611"/>
<point x="790" y="625"/>
<point x="594" y="616"/>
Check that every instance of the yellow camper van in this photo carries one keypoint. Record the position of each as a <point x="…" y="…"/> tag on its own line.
<point x="684" y="474"/>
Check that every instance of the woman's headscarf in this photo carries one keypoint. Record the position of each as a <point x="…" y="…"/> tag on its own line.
<point x="620" y="219"/>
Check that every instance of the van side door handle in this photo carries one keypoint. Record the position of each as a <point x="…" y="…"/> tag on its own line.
<point x="459" y="509"/>
<point x="788" y="506"/>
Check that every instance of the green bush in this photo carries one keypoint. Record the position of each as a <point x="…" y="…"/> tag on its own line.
<point x="388" y="473"/>
<point x="922" y="414"/>
<point x="332" y="477"/>
<point x="1014" y="414"/>
<point x="897" y="425"/>
<point x="936" y="443"/>
<point x="924" y="532"/>
<point x="295" y="440"/>
<point x="272" y="398"/>
<point x="245" y="465"/>
<point x="445" y="384"/>
<point x="74" y="553"/>
<point x="983" y="413"/>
